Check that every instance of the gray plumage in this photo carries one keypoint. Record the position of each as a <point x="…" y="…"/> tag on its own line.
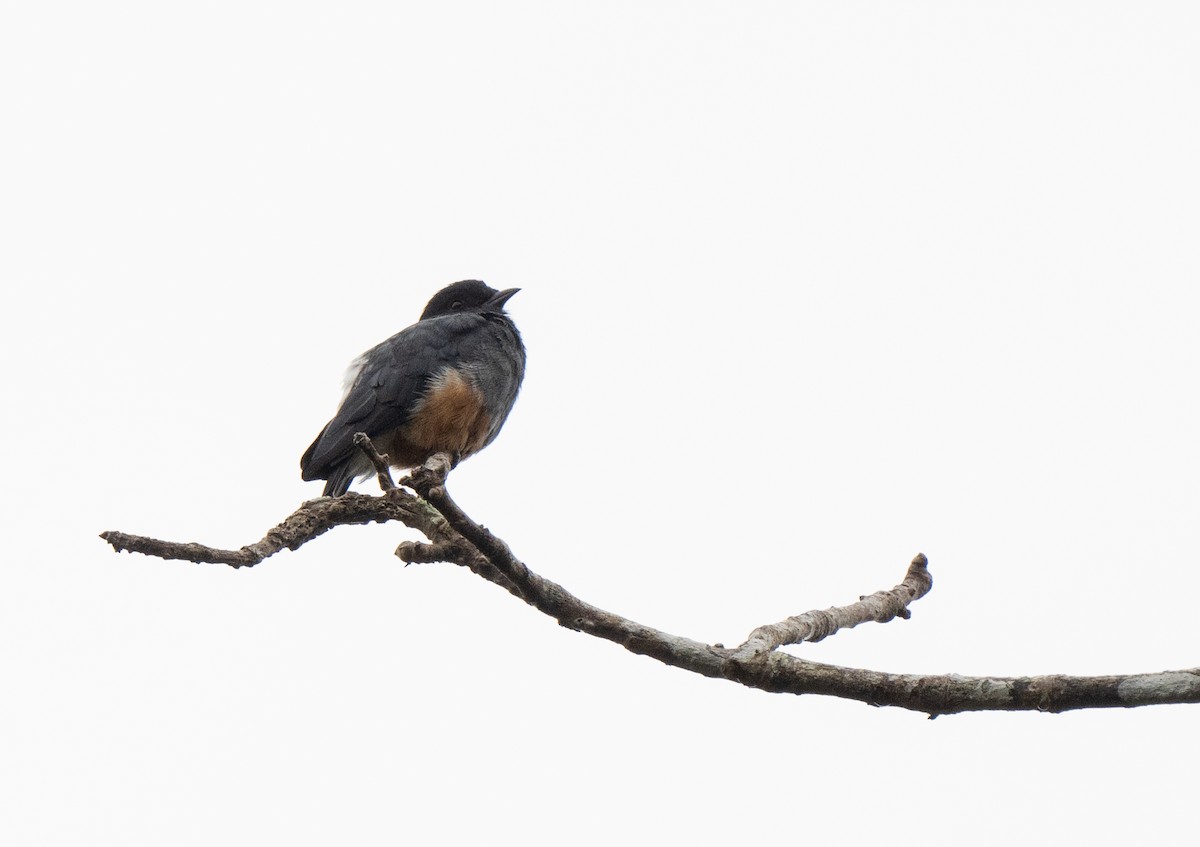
<point x="464" y="337"/>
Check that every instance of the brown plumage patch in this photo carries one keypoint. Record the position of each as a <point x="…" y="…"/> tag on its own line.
<point x="450" y="417"/>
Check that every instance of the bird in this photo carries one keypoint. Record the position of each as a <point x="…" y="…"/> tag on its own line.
<point x="444" y="384"/>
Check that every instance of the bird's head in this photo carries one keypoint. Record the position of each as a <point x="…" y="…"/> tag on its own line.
<point x="470" y="295"/>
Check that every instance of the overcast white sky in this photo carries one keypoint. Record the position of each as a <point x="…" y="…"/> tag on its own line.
<point x="807" y="288"/>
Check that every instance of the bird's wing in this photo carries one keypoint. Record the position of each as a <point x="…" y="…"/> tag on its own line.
<point x="390" y="380"/>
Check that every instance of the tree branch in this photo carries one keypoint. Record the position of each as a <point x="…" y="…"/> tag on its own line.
<point x="313" y="518"/>
<point x="881" y="607"/>
<point x="383" y="473"/>
<point x="757" y="663"/>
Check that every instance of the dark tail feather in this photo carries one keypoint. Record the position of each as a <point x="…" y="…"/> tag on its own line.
<point x="338" y="477"/>
<point x="307" y="472"/>
<point x="339" y="480"/>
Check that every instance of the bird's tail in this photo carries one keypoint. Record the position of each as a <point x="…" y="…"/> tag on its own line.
<point x="339" y="480"/>
<point x="339" y="476"/>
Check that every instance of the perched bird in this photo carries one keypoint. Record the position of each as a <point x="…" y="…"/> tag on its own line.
<point x="444" y="384"/>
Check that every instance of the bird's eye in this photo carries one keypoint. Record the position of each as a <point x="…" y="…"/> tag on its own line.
<point x="457" y="304"/>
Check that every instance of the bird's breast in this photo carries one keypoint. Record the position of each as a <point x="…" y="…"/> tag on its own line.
<point x="452" y="415"/>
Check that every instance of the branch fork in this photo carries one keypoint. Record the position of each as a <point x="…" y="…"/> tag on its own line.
<point x="452" y="536"/>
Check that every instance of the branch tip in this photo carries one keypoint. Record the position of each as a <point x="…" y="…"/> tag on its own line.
<point x="378" y="460"/>
<point x="881" y="607"/>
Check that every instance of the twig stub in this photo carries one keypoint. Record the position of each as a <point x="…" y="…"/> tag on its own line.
<point x="379" y="461"/>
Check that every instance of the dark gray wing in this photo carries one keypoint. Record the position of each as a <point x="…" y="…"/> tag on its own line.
<point x="391" y="380"/>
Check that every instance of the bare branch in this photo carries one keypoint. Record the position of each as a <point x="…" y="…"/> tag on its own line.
<point x="455" y="537"/>
<point x="456" y="552"/>
<point x="881" y="607"/>
<point x="313" y="518"/>
<point x="946" y="694"/>
<point x="419" y="553"/>
<point x="380" y="462"/>
<point x="429" y="481"/>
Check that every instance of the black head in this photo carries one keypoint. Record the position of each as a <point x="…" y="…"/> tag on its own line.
<point x="470" y="295"/>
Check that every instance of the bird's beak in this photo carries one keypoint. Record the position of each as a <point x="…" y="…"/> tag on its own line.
<point x="502" y="297"/>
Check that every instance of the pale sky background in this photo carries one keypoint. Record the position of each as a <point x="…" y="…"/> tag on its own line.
<point x="807" y="288"/>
